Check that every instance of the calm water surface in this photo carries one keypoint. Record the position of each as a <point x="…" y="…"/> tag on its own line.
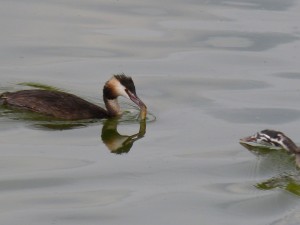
<point x="210" y="73"/>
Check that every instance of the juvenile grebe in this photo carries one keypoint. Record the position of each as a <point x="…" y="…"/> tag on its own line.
<point x="274" y="138"/>
<point x="66" y="106"/>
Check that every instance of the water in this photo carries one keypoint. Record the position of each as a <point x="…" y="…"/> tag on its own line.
<point x="210" y="73"/>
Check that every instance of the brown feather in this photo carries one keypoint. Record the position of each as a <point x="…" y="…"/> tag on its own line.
<point x="54" y="103"/>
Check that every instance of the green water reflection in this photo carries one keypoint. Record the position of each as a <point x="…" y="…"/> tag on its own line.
<point x="285" y="165"/>
<point x="289" y="183"/>
<point x="119" y="143"/>
<point x="114" y="141"/>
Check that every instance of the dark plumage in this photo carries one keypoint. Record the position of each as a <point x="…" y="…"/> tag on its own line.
<point x="66" y="106"/>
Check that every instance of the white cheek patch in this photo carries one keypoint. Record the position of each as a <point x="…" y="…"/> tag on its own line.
<point x="283" y="144"/>
<point x="120" y="89"/>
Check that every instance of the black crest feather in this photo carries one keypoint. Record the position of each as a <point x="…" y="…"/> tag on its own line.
<point x="126" y="81"/>
<point x="272" y="133"/>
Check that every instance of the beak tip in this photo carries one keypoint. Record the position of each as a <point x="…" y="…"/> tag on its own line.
<point x="248" y="139"/>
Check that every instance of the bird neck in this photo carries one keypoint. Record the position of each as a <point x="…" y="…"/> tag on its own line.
<point x="112" y="107"/>
<point x="295" y="150"/>
<point x="291" y="146"/>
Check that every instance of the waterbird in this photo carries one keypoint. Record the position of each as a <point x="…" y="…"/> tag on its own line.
<point x="62" y="105"/>
<point x="273" y="138"/>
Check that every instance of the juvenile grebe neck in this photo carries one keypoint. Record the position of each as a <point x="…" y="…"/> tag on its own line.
<point x="66" y="106"/>
<point x="274" y="138"/>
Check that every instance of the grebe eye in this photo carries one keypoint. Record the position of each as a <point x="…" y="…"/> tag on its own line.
<point x="276" y="144"/>
<point x="278" y="137"/>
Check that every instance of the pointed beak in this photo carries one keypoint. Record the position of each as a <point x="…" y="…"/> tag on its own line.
<point x="136" y="100"/>
<point x="248" y="139"/>
<point x="140" y="104"/>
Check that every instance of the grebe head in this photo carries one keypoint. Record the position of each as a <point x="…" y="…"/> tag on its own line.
<point x="273" y="138"/>
<point x="120" y="85"/>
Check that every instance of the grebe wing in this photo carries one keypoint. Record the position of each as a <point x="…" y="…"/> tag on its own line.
<point x="54" y="103"/>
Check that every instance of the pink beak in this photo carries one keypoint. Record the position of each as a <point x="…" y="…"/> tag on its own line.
<point x="136" y="100"/>
<point x="248" y="139"/>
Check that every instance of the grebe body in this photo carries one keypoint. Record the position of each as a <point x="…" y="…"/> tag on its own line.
<point x="67" y="106"/>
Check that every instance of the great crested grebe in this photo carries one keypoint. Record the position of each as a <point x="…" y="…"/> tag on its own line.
<point x="67" y="106"/>
<point x="273" y="138"/>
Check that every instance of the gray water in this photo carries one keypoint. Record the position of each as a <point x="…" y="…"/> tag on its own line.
<point x="210" y="73"/>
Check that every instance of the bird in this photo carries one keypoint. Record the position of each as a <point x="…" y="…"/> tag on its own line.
<point x="66" y="106"/>
<point x="273" y="138"/>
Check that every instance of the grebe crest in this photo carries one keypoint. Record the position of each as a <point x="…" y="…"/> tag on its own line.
<point x="120" y="85"/>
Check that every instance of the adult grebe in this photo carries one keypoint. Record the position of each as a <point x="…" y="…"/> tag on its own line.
<point x="274" y="138"/>
<point x="66" y="106"/>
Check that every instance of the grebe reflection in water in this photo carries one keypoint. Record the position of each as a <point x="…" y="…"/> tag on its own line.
<point x="61" y="105"/>
<point x="116" y="142"/>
